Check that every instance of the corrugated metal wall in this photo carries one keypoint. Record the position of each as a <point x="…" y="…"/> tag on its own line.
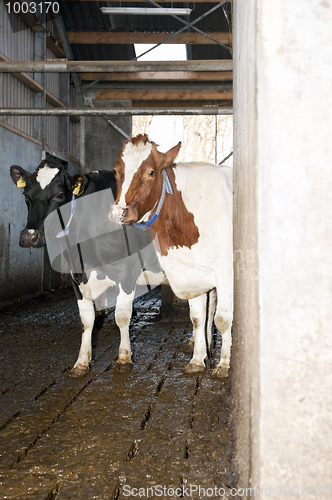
<point x="15" y="39"/>
<point x="24" y="271"/>
<point x="13" y="93"/>
<point x="16" y="43"/>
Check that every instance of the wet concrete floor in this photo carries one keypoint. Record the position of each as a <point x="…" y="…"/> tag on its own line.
<point x="153" y="433"/>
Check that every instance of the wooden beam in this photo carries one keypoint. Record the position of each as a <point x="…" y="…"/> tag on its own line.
<point x="36" y="141"/>
<point x="24" y="77"/>
<point x="19" y="132"/>
<point x="171" y="76"/>
<point x="163" y="95"/>
<point x="97" y="37"/>
<point x="60" y="66"/>
<point x="184" y="104"/>
<point x="36" y="87"/>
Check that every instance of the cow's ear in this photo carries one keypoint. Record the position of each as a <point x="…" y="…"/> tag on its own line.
<point x="79" y="183"/>
<point x="19" y="176"/>
<point x="165" y="160"/>
<point x="54" y="161"/>
<point x="170" y="156"/>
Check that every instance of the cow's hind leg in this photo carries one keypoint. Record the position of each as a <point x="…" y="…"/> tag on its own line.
<point x="87" y="314"/>
<point x="194" y="314"/>
<point x="198" y="317"/>
<point x="123" y="312"/>
<point x="212" y="299"/>
<point x="223" y="322"/>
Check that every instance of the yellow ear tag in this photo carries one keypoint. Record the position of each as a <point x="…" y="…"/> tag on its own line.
<point x="76" y="191"/>
<point x="21" y="183"/>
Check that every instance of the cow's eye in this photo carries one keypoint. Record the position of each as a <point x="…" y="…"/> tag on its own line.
<point x="151" y="173"/>
<point x="59" y="197"/>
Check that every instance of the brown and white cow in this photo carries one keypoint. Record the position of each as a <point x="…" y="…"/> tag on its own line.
<point x="189" y="206"/>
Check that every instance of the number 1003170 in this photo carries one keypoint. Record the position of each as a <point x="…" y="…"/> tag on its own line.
<point x="33" y="7"/>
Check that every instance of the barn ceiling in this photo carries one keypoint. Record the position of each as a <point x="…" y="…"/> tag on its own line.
<point x="89" y="35"/>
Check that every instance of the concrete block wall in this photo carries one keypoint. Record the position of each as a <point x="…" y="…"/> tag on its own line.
<point x="102" y="142"/>
<point x="20" y="268"/>
<point x="282" y="352"/>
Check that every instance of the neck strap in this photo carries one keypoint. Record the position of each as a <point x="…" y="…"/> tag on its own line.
<point x="167" y="188"/>
<point x="65" y="230"/>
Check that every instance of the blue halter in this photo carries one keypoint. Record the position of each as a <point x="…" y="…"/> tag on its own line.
<point x="167" y="188"/>
<point x="65" y="231"/>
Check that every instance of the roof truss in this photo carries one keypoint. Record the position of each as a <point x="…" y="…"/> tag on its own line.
<point x="195" y="78"/>
<point x="96" y="37"/>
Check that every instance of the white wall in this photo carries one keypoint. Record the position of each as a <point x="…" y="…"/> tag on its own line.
<point x="283" y="212"/>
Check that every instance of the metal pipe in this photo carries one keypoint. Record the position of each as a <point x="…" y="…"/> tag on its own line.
<point x="133" y="11"/>
<point x="122" y="132"/>
<point x="226" y="158"/>
<point x="211" y="110"/>
<point x="113" y="66"/>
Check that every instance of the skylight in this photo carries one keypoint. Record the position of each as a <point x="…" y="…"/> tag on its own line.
<point x="169" y="52"/>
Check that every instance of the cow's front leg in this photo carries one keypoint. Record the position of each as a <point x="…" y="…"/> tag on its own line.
<point x="123" y="312"/>
<point x="198" y="317"/>
<point x="87" y="314"/>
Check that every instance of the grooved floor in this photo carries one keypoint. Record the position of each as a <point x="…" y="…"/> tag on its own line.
<point x="152" y="433"/>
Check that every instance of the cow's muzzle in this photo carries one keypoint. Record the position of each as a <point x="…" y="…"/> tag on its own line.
<point x="118" y="214"/>
<point x="32" y="238"/>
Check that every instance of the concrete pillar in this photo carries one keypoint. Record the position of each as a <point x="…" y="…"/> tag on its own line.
<point x="101" y="142"/>
<point x="282" y="351"/>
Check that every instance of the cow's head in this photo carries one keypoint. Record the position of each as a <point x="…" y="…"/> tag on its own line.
<point x="45" y="190"/>
<point x="139" y="178"/>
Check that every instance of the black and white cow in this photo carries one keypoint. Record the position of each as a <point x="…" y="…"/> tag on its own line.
<point x="51" y="187"/>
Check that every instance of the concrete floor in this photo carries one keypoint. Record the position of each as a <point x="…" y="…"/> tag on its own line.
<point x="105" y="434"/>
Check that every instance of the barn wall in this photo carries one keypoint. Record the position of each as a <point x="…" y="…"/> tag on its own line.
<point x="282" y="355"/>
<point x="24" y="271"/>
<point x="20" y="268"/>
